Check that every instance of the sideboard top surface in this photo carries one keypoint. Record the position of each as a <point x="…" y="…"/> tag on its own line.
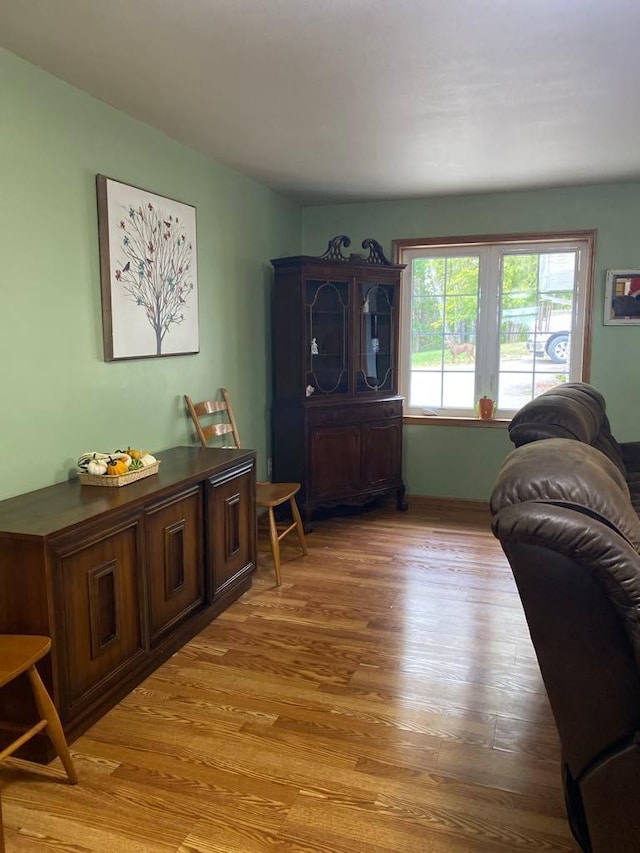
<point x="57" y="508"/>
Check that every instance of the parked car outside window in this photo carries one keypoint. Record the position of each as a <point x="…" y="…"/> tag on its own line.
<point x="555" y="341"/>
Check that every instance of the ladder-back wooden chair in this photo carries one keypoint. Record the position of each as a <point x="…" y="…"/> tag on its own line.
<point x="19" y="654"/>
<point x="268" y="495"/>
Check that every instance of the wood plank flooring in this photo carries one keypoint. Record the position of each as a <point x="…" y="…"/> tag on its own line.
<point x="386" y="699"/>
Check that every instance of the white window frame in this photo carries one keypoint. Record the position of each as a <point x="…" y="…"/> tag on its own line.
<point x="491" y="249"/>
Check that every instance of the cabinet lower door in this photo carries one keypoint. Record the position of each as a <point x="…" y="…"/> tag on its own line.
<point x="381" y="453"/>
<point x="231" y="529"/>
<point x="334" y="462"/>
<point x="99" y="611"/>
<point x="175" y="558"/>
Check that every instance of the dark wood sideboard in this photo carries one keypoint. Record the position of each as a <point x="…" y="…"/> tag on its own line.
<point x="120" y="578"/>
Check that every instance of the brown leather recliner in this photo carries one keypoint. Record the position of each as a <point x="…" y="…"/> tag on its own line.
<point x="577" y="410"/>
<point x="562" y="512"/>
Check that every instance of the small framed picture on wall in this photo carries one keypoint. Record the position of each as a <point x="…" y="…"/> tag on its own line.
<point x="622" y="298"/>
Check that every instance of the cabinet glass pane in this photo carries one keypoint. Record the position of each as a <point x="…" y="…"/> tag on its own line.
<point x="376" y="367"/>
<point x="327" y="368"/>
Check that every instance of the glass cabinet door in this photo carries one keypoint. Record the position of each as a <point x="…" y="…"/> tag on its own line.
<point x="327" y="336"/>
<point x="376" y="368"/>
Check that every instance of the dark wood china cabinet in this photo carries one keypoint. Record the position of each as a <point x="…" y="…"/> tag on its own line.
<point x="337" y="416"/>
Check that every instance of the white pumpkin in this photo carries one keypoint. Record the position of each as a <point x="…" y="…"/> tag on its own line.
<point x="97" y="466"/>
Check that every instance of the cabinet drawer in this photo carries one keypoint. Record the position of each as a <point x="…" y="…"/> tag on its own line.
<point x="346" y="415"/>
<point x="99" y="609"/>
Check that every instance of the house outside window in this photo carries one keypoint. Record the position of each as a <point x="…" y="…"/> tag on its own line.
<point x="503" y="317"/>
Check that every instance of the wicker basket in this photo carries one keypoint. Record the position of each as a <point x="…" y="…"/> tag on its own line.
<point x="118" y="479"/>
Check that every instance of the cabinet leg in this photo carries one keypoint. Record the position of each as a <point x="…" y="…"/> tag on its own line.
<point x="401" y="504"/>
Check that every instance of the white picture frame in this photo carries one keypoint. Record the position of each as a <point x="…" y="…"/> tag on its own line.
<point x="148" y="273"/>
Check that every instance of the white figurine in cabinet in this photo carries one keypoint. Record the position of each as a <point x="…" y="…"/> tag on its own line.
<point x="314" y="347"/>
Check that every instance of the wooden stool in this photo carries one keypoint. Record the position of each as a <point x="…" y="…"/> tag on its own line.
<point x="18" y="654"/>
<point x="271" y="495"/>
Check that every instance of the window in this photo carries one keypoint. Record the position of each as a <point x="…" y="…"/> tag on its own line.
<point x="504" y="319"/>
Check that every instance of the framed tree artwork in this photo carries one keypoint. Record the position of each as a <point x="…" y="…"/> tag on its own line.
<point x="148" y="273"/>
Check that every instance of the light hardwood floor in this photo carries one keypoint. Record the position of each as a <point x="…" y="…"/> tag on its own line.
<point x="386" y="699"/>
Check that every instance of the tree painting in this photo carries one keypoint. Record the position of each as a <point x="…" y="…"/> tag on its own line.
<point x="148" y="272"/>
<point x="156" y="273"/>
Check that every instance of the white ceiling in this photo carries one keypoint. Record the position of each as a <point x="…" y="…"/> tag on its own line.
<point x="346" y="100"/>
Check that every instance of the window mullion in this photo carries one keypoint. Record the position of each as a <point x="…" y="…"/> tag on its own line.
<point x="406" y="332"/>
<point x="487" y="352"/>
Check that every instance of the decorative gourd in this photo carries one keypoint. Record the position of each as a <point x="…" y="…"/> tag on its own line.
<point x="148" y="459"/>
<point x="96" y="466"/>
<point x="136" y="465"/>
<point x="486" y="408"/>
<point x="91" y="456"/>
<point x="116" y="467"/>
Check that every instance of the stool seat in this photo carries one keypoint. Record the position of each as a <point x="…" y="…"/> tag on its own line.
<point x="18" y="652"/>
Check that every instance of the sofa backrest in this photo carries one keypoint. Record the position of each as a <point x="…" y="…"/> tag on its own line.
<point x="575" y="410"/>
<point x="570" y="473"/>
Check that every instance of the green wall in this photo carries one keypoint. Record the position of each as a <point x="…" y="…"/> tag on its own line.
<point x="59" y="398"/>
<point x="463" y="462"/>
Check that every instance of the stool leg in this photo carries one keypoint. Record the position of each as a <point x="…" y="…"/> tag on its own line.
<point x="295" y="512"/>
<point x="275" y="545"/>
<point x="47" y="711"/>
<point x="1" y="829"/>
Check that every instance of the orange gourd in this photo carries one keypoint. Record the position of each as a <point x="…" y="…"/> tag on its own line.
<point x="116" y="467"/>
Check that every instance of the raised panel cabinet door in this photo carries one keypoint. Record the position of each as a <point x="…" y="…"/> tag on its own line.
<point x="99" y="605"/>
<point x="334" y="462"/>
<point x="175" y="559"/>
<point x="231" y="529"/>
<point x="382" y="453"/>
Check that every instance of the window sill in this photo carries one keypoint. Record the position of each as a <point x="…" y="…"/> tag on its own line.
<point x="435" y="420"/>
